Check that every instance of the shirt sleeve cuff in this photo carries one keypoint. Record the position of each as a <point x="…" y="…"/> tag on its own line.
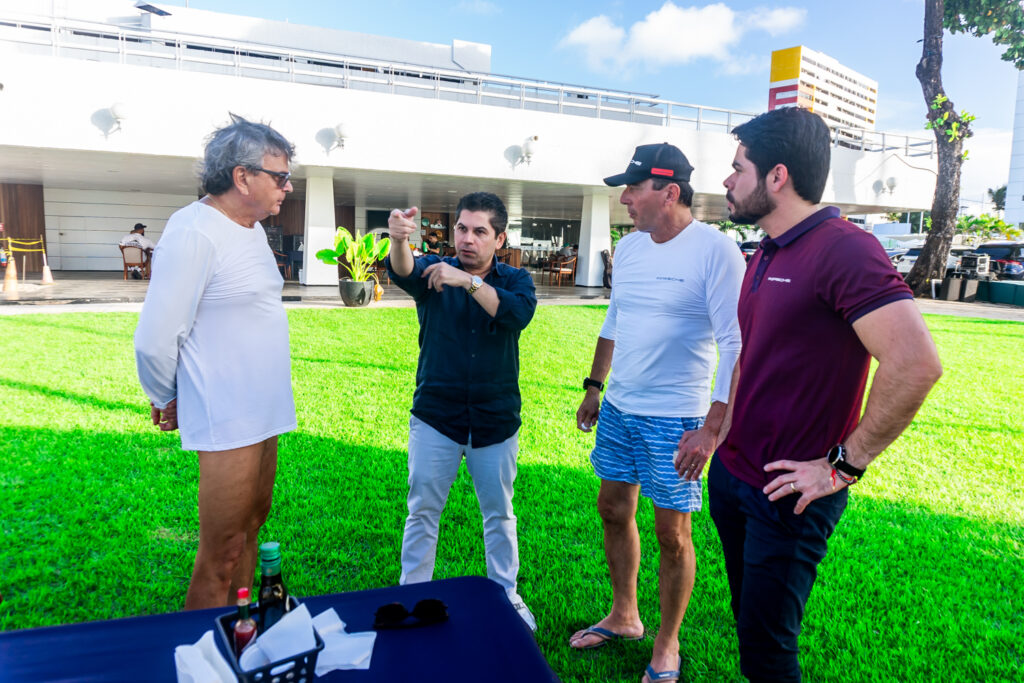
<point x="866" y="308"/>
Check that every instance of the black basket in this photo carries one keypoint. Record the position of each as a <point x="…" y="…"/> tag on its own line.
<point x="303" y="665"/>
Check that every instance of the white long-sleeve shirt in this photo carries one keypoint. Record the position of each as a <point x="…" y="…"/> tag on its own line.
<point x="671" y="304"/>
<point x="134" y="239"/>
<point x="213" y="332"/>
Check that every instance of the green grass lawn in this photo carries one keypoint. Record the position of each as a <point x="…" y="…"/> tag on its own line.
<point x="924" y="580"/>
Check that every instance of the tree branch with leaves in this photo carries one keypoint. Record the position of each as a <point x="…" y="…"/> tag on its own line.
<point x="1004" y="22"/>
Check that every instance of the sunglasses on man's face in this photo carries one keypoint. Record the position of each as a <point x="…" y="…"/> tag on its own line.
<point x="395" y="614"/>
<point x="282" y="177"/>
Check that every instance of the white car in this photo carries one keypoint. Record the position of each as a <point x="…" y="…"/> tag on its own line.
<point x="907" y="261"/>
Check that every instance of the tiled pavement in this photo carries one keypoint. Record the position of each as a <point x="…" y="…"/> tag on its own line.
<point x="83" y="291"/>
<point x="74" y="289"/>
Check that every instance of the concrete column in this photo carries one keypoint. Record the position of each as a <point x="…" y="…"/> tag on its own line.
<point x="514" y="206"/>
<point x="595" y="236"/>
<point x="319" y="229"/>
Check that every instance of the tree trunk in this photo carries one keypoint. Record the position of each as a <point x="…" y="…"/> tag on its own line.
<point x="932" y="261"/>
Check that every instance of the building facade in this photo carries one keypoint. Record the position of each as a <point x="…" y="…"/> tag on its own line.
<point x="801" y="77"/>
<point x="104" y="108"/>
<point x="1014" y="212"/>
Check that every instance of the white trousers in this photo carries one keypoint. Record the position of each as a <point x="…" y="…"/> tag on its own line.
<point x="433" y="464"/>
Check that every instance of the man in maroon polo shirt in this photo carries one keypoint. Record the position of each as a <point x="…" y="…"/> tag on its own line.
<point x="819" y="299"/>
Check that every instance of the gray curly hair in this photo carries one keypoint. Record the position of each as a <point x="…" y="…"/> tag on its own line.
<point x="240" y="143"/>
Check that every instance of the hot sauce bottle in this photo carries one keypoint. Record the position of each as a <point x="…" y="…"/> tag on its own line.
<point x="245" y="627"/>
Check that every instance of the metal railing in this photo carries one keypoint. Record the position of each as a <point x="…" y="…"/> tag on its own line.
<point x="147" y="47"/>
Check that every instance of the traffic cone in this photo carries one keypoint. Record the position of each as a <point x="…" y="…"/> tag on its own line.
<point x="47" y="275"/>
<point x="11" y="280"/>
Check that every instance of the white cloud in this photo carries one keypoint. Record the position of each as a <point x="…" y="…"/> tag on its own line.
<point x="678" y="35"/>
<point x="477" y="7"/>
<point x="599" y="39"/>
<point x="776" y="21"/>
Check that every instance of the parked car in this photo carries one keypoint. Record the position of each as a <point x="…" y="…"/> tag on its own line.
<point x="905" y="262"/>
<point x="748" y="248"/>
<point x="1006" y="259"/>
<point x="895" y="255"/>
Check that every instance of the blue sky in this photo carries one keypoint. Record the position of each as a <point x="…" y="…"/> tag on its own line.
<point x="715" y="54"/>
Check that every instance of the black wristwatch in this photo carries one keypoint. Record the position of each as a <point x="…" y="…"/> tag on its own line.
<point x="837" y="459"/>
<point x="587" y="383"/>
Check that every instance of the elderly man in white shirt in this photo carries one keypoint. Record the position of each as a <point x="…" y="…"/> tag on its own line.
<point x="212" y="349"/>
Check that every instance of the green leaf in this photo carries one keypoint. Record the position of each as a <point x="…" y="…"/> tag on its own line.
<point x="366" y="247"/>
<point x="328" y="256"/>
<point x="342" y="238"/>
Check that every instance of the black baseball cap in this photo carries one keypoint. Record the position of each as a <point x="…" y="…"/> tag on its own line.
<point x="138" y="226"/>
<point x="654" y="161"/>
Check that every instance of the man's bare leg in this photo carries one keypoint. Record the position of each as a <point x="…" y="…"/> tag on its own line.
<point x="676" y="575"/>
<point x="263" y="494"/>
<point x="232" y="494"/>
<point x="616" y="503"/>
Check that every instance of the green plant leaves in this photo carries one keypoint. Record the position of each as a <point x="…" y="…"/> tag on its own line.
<point x="328" y="256"/>
<point x="357" y="256"/>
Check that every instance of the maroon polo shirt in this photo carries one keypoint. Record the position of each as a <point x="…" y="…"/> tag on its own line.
<point x="802" y="368"/>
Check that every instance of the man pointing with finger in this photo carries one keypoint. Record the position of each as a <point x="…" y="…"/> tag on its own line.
<point x="673" y="301"/>
<point x="471" y="310"/>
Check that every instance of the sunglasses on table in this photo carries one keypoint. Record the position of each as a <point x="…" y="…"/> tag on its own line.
<point x="395" y="614"/>
<point x="281" y="177"/>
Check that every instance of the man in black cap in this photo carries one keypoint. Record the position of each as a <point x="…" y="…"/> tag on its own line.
<point x="674" y="295"/>
<point x="137" y="238"/>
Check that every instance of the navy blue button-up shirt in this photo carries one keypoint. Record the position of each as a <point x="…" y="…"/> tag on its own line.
<point x="467" y="380"/>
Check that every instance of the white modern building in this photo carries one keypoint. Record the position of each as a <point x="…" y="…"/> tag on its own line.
<point x="802" y="77"/>
<point x="104" y="108"/>
<point x="1014" y="213"/>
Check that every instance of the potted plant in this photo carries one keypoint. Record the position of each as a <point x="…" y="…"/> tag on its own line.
<point x="358" y="257"/>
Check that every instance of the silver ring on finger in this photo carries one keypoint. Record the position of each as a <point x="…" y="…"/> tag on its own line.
<point x="792" y="486"/>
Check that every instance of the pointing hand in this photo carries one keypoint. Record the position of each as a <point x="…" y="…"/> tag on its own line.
<point x="401" y="224"/>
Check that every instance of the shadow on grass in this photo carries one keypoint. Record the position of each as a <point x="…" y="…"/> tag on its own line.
<point x="944" y="321"/>
<point x="87" y="515"/>
<point x="989" y="334"/>
<point x="967" y="428"/>
<point x="81" y="399"/>
<point x="361" y="364"/>
<point x="43" y="322"/>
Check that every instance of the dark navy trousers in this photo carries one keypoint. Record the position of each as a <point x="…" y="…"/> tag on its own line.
<point x="771" y="558"/>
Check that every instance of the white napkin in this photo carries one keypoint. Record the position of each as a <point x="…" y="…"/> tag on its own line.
<point x="293" y="634"/>
<point x="341" y="650"/>
<point x="202" y="662"/>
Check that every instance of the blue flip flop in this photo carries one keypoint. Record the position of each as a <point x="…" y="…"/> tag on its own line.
<point x="606" y="637"/>
<point x="670" y="675"/>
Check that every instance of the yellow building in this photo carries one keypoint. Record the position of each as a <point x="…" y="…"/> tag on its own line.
<point x="801" y="77"/>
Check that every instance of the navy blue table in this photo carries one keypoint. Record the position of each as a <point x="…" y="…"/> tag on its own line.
<point x="484" y="639"/>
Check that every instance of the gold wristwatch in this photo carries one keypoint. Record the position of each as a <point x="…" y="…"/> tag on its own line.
<point x="477" y="283"/>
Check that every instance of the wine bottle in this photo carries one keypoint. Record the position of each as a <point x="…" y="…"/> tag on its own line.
<point x="245" y="627"/>
<point x="273" y="594"/>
